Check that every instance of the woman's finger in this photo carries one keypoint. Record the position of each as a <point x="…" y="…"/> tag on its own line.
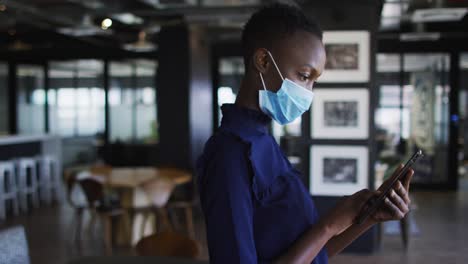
<point x="393" y="209"/>
<point x="398" y="201"/>
<point x="407" y="179"/>
<point x="401" y="191"/>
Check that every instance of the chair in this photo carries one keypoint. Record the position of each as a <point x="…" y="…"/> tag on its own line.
<point x="168" y="244"/>
<point x="105" y="210"/>
<point x="49" y="179"/>
<point x="186" y="205"/>
<point x="71" y="181"/>
<point x="101" y="170"/>
<point x="27" y="182"/>
<point x="158" y="192"/>
<point x="72" y="177"/>
<point x="14" y="246"/>
<point x="8" y="188"/>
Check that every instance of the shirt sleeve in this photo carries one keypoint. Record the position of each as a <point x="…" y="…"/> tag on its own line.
<point x="226" y="198"/>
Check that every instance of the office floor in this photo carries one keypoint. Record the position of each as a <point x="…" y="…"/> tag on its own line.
<point x="442" y="218"/>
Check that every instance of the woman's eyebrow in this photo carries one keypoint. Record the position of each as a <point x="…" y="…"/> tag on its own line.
<point x="314" y="70"/>
<point x="310" y="66"/>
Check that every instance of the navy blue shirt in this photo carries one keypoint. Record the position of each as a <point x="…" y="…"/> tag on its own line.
<point x="255" y="204"/>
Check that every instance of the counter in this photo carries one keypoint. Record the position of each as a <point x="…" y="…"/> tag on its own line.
<point x="17" y="146"/>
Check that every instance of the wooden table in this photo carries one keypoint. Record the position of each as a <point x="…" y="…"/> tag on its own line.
<point x="141" y="187"/>
<point x="137" y="177"/>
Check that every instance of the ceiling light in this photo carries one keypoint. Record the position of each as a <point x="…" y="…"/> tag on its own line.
<point x="86" y="28"/>
<point x="19" y="45"/>
<point x="141" y="45"/>
<point x="106" y="23"/>
<point x="391" y="10"/>
<point x="153" y="29"/>
<point x="438" y="14"/>
<point x="128" y="18"/>
<point x="84" y="32"/>
<point x="420" y="36"/>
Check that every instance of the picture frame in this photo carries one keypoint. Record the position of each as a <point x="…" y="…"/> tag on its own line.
<point x="340" y="114"/>
<point x="348" y="57"/>
<point x="338" y="170"/>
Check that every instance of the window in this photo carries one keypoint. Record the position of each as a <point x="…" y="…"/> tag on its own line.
<point x="463" y="103"/>
<point x="392" y="12"/>
<point x="3" y="98"/>
<point x="30" y="99"/>
<point x="132" y="102"/>
<point x="76" y="98"/>
<point x="231" y="72"/>
<point x="463" y="97"/>
<point x="391" y="117"/>
<point x="413" y="111"/>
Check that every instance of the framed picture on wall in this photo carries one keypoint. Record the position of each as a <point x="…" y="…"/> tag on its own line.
<point x="338" y="170"/>
<point x="340" y="114"/>
<point x="347" y="56"/>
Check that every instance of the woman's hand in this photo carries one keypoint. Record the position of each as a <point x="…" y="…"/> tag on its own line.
<point x="397" y="203"/>
<point x="395" y="206"/>
<point x="347" y="209"/>
<point x="343" y="215"/>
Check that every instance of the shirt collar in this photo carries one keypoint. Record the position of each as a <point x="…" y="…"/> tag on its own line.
<point x="244" y="121"/>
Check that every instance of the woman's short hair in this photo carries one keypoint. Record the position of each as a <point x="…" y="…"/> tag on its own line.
<point x="272" y="23"/>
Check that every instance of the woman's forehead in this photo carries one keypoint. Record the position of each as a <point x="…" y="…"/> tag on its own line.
<point x="301" y="48"/>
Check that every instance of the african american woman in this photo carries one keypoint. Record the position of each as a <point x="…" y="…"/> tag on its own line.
<point x="256" y="208"/>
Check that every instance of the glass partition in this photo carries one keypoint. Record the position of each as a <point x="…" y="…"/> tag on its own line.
<point x="413" y="112"/>
<point x="463" y="127"/>
<point x="390" y="111"/>
<point x="132" y="102"/>
<point x="30" y="99"/>
<point x="76" y="98"/>
<point x="231" y="72"/>
<point x="3" y="99"/>
<point x="427" y="92"/>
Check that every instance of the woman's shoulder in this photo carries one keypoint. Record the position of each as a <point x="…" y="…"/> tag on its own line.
<point x="224" y="159"/>
<point x="222" y="149"/>
<point x="225" y="144"/>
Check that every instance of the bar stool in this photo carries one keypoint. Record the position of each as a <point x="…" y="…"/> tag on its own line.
<point x="49" y="179"/>
<point x="27" y="182"/>
<point x="8" y="188"/>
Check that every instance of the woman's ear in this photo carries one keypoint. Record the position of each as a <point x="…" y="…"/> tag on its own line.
<point x="260" y="60"/>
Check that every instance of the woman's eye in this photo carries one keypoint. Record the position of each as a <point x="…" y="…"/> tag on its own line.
<point x="303" y="77"/>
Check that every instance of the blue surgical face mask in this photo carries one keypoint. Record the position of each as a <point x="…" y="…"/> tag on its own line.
<point x="288" y="103"/>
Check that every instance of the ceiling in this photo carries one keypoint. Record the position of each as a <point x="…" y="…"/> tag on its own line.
<point x="423" y="16"/>
<point x="26" y="24"/>
<point x="125" y="24"/>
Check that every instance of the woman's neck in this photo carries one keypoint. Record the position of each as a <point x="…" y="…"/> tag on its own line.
<point x="248" y="94"/>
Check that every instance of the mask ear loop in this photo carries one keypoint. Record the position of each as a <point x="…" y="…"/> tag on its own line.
<point x="263" y="82"/>
<point x="276" y="66"/>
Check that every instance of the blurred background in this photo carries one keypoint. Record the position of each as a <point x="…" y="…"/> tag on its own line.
<point x="106" y="105"/>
